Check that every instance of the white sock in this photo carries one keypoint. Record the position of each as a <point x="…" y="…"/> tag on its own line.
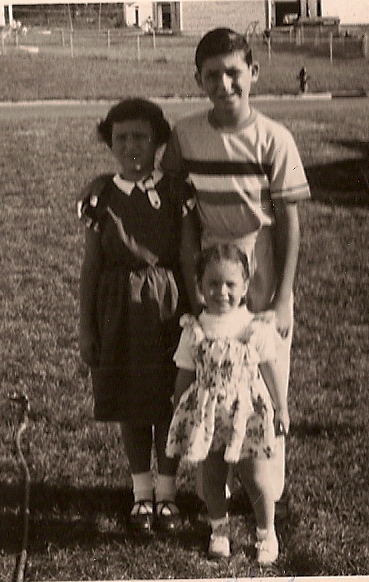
<point x="142" y="486"/>
<point x="220" y="526"/>
<point x="165" y="488"/>
<point x="263" y="534"/>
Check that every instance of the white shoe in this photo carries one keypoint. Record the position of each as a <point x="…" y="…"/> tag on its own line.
<point x="267" y="549"/>
<point x="219" y="547"/>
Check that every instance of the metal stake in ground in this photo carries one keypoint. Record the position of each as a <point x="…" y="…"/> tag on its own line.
<point x="21" y="399"/>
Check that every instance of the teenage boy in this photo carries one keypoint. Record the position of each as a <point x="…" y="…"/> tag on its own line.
<point x="248" y="177"/>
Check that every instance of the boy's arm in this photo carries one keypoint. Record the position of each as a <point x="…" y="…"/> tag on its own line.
<point x="273" y="379"/>
<point x="287" y="243"/>
<point x="89" y="280"/>
<point x="189" y="251"/>
<point x="172" y="160"/>
<point x="183" y="381"/>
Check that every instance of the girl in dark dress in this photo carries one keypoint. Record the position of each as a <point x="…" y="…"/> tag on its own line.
<point x="131" y="297"/>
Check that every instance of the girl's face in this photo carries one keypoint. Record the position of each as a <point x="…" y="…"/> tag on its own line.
<point x="223" y="286"/>
<point x="133" y="146"/>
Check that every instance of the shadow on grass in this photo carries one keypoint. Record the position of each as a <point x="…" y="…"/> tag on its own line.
<point x="344" y="182"/>
<point x="67" y="515"/>
<point x="325" y="429"/>
<point x="88" y="518"/>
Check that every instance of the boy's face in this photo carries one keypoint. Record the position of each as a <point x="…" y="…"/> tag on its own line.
<point x="227" y="79"/>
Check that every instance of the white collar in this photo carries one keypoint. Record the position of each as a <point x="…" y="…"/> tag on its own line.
<point x="127" y="187"/>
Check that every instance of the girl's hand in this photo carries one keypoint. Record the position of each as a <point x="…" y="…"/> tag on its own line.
<point x="281" y="421"/>
<point x="89" y="346"/>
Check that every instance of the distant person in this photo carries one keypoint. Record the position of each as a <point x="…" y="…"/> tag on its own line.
<point x="224" y="411"/>
<point x="131" y="298"/>
<point x="148" y="25"/>
<point x="248" y="177"/>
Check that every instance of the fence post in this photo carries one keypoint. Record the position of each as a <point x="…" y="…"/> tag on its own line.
<point x="331" y="47"/>
<point x="364" y="45"/>
<point x="138" y="48"/>
<point x="153" y="38"/>
<point x="62" y="37"/>
<point x="268" y="40"/>
<point x="71" y="44"/>
<point x="108" y="37"/>
<point x="298" y="36"/>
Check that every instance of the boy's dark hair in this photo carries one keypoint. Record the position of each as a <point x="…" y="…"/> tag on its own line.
<point x="227" y="251"/>
<point x="135" y="108"/>
<point x="221" y="41"/>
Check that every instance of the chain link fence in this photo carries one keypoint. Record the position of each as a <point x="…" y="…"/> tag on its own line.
<point x="133" y="44"/>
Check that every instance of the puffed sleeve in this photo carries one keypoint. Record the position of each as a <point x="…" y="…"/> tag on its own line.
<point x="90" y="203"/>
<point x="184" y="356"/>
<point x="264" y="336"/>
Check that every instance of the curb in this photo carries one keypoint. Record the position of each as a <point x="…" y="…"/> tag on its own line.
<point x="175" y="99"/>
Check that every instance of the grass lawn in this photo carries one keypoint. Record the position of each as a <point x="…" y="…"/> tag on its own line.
<point x="80" y="481"/>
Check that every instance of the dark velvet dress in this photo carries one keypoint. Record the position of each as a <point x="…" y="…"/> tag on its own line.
<point x="140" y="297"/>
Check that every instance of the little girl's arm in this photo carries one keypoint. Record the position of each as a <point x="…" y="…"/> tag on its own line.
<point x="183" y="381"/>
<point x="274" y="382"/>
<point x="89" y="280"/>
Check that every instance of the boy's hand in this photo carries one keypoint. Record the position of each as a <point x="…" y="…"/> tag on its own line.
<point x="281" y="421"/>
<point x="283" y="318"/>
<point x="89" y="347"/>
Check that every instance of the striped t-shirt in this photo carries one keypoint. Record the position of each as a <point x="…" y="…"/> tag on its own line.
<point x="237" y="175"/>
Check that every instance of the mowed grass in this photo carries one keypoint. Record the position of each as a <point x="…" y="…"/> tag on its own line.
<point x="99" y="72"/>
<point x="80" y="493"/>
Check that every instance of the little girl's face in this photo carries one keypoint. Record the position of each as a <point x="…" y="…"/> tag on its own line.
<point x="133" y="146"/>
<point x="223" y="286"/>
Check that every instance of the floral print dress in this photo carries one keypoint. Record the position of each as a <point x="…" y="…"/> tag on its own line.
<point x="228" y="405"/>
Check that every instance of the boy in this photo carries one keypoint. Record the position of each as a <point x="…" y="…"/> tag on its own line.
<point x="248" y="177"/>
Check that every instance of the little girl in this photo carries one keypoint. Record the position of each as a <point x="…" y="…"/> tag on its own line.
<point x="224" y="411"/>
<point x="131" y="298"/>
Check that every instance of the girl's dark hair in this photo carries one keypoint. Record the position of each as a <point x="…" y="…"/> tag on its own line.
<point x="221" y="41"/>
<point x="229" y="252"/>
<point x="135" y="108"/>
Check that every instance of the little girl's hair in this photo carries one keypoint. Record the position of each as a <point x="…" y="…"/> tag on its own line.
<point x="135" y="108"/>
<point x="227" y="251"/>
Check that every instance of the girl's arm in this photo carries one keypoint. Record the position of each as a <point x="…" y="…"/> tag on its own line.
<point x="273" y="379"/>
<point x="189" y="251"/>
<point x="287" y="237"/>
<point x="89" y="280"/>
<point x="183" y="381"/>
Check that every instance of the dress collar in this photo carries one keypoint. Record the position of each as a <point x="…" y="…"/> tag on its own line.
<point x="127" y="187"/>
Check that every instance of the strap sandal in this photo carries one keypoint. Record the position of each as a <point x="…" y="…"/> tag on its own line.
<point x="141" y="518"/>
<point x="168" y="517"/>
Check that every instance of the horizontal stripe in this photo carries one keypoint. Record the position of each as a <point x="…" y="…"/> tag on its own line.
<point x="294" y="194"/>
<point x="226" y="198"/>
<point x="222" y="183"/>
<point x="226" y="168"/>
